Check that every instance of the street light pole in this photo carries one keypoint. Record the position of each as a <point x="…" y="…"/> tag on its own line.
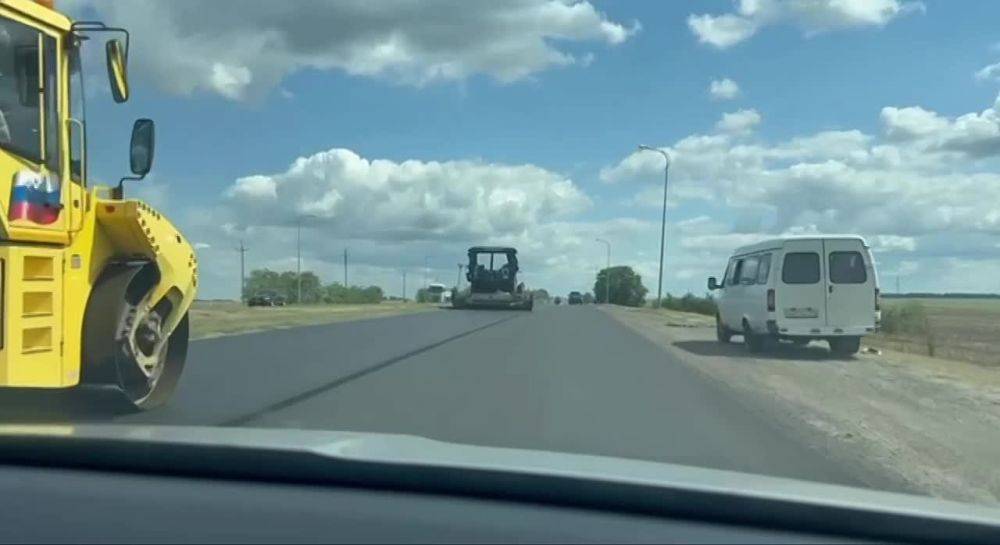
<point x="607" y="274"/>
<point x="663" y="220"/>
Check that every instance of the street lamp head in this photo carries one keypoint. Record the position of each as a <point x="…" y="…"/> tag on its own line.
<point x="666" y="156"/>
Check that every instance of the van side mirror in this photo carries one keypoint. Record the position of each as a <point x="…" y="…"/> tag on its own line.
<point x="141" y="147"/>
<point x="117" y="61"/>
<point x="713" y="284"/>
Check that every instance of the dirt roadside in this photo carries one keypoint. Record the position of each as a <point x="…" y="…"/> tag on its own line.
<point x="931" y="424"/>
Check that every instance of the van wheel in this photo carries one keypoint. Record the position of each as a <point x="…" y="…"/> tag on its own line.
<point x="845" y="346"/>
<point x="755" y="343"/>
<point x="722" y="333"/>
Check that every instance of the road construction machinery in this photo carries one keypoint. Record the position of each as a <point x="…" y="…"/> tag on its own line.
<point x="492" y="275"/>
<point x="95" y="287"/>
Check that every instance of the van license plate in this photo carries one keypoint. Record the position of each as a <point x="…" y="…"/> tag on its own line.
<point x="805" y="312"/>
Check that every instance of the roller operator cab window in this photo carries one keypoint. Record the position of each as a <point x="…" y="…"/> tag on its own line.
<point x="20" y="86"/>
<point x="76" y="111"/>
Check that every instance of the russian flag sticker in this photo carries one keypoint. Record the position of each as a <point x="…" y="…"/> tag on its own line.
<point x="35" y="198"/>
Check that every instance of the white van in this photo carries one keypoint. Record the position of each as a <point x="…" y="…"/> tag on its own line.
<point x="799" y="289"/>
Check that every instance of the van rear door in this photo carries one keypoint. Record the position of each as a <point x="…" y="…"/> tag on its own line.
<point x="800" y="299"/>
<point x="850" y="284"/>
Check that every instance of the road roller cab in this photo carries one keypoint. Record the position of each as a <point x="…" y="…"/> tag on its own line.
<point x="95" y="287"/>
<point x="492" y="275"/>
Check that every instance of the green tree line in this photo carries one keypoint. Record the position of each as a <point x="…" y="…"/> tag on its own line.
<point x="285" y="283"/>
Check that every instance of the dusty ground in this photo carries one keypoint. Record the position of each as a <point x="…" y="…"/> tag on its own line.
<point x="216" y="318"/>
<point x="931" y="424"/>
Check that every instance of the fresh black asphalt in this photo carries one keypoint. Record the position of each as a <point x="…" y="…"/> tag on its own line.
<point x="560" y="378"/>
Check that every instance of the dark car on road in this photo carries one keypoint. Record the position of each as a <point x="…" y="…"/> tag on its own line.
<point x="575" y="298"/>
<point x="266" y="299"/>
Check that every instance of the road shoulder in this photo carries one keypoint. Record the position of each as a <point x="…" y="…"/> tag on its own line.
<point x="931" y="425"/>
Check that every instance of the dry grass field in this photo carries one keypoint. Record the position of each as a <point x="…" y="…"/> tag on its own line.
<point x="956" y="329"/>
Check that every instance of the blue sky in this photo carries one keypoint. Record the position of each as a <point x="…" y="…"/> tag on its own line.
<point x="804" y="71"/>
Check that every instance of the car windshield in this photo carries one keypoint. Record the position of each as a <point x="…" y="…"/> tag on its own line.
<point x="753" y="236"/>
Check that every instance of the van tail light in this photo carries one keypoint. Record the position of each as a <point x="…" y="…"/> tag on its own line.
<point x="770" y="300"/>
<point x="878" y="299"/>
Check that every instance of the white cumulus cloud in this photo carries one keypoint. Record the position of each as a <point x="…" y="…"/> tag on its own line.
<point x="739" y="122"/>
<point x="810" y="16"/>
<point x="409" y="200"/>
<point x="724" y="89"/>
<point x="911" y="122"/>
<point x="244" y="50"/>
<point x="989" y="72"/>
<point x="973" y="134"/>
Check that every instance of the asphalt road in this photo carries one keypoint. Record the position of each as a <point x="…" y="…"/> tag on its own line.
<point x="560" y="378"/>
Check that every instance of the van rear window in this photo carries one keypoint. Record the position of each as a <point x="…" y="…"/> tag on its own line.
<point x="847" y="268"/>
<point x="800" y="268"/>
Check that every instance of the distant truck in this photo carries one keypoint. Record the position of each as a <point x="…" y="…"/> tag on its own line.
<point x="492" y="275"/>
<point x="437" y="293"/>
<point x="817" y="287"/>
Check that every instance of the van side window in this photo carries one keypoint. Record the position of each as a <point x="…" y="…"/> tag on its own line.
<point x="748" y="274"/>
<point x="847" y="268"/>
<point x="735" y="273"/>
<point x="727" y="276"/>
<point x="800" y="268"/>
<point x="764" y="269"/>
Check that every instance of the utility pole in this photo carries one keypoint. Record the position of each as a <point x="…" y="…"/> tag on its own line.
<point x="404" y="285"/>
<point x="243" y="277"/>
<point x="345" y="267"/>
